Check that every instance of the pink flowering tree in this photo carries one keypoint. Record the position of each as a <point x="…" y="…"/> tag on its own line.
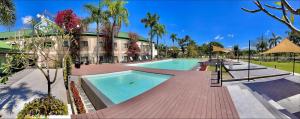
<point x="133" y="48"/>
<point x="69" y="21"/>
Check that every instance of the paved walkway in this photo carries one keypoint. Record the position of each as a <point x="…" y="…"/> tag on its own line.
<point x="281" y="93"/>
<point x="31" y="86"/>
<point x="240" y="72"/>
<point x="186" y="95"/>
<point x="16" y="77"/>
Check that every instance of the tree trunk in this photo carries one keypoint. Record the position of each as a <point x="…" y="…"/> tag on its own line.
<point x="151" y="45"/>
<point x="48" y="83"/>
<point x="49" y="87"/>
<point x="97" y="55"/>
<point x="113" y="46"/>
<point x="158" y="49"/>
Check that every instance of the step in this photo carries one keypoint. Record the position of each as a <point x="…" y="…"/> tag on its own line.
<point x="247" y="105"/>
<point x="272" y="106"/>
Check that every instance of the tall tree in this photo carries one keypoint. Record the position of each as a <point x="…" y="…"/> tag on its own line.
<point x="192" y="48"/>
<point x="282" y="6"/>
<point x="150" y="21"/>
<point x="183" y="42"/>
<point x="262" y="44"/>
<point x="98" y="16"/>
<point x="117" y="15"/>
<point x="293" y="37"/>
<point x="236" y="51"/>
<point x="173" y="37"/>
<point x="7" y="13"/>
<point x="274" y="40"/>
<point x="40" y="47"/>
<point x="133" y="47"/>
<point x="159" y="30"/>
<point x="70" y="23"/>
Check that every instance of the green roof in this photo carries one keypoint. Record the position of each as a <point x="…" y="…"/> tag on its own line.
<point x="4" y="35"/>
<point x="4" y="46"/>
<point x="124" y="35"/>
<point x="27" y="32"/>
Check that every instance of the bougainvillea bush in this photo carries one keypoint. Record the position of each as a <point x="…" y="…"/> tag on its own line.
<point x="133" y="48"/>
<point x="67" y="20"/>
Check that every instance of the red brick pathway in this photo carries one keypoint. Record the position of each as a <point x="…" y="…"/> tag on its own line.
<point x="186" y="95"/>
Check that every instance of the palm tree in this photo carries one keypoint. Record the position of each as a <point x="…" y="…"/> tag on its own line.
<point x="117" y="15"/>
<point x="173" y="37"/>
<point x="183" y="42"/>
<point x="7" y="13"/>
<point x="236" y="51"/>
<point x="262" y="45"/>
<point x="96" y="15"/>
<point x="149" y="21"/>
<point x="159" y="30"/>
<point x="274" y="40"/>
<point x="294" y="37"/>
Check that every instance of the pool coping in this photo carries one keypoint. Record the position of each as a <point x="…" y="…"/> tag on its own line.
<point x="103" y="101"/>
<point x="136" y="64"/>
<point x="100" y="101"/>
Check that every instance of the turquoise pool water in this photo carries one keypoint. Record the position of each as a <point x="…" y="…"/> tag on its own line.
<point x="121" y="86"/>
<point x="173" y="64"/>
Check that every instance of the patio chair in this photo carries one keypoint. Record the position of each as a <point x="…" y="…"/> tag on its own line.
<point x="130" y="59"/>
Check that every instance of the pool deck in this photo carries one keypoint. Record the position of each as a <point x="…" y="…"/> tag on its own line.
<point x="186" y="95"/>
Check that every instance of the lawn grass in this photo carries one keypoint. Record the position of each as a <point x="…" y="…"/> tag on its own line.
<point x="287" y="66"/>
<point x="2" y="60"/>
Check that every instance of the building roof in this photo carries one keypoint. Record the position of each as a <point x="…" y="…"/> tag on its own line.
<point x="124" y="35"/>
<point x="11" y="34"/>
<point x="219" y="49"/>
<point x="28" y="32"/>
<point x="285" y="46"/>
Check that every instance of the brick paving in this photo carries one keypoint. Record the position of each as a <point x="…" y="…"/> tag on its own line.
<point x="186" y="95"/>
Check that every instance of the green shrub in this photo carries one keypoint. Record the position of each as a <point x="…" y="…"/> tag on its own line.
<point x="43" y="106"/>
<point x="67" y="69"/>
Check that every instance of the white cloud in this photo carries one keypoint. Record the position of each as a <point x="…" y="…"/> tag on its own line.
<point x="230" y="35"/>
<point x="26" y="19"/>
<point x="219" y="37"/>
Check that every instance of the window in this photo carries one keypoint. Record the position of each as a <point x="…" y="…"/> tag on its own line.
<point x="66" y="44"/>
<point x="48" y="44"/>
<point x="83" y="43"/>
<point x="125" y="45"/>
<point x="125" y="58"/>
<point x="115" y="46"/>
<point x="101" y="44"/>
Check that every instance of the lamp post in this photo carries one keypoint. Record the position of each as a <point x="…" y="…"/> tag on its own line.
<point x="294" y="64"/>
<point x="249" y="62"/>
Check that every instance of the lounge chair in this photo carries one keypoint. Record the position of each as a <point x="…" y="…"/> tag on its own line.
<point x="146" y="57"/>
<point x="130" y="59"/>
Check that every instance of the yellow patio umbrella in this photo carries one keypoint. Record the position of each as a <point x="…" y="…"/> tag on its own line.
<point x="285" y="46"/>
<point x="219" y="49"/>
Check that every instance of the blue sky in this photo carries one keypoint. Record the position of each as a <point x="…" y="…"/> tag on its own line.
<point x="203" y="20"/>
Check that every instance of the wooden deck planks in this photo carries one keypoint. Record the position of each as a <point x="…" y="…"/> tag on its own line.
<point x="186" y="95"/>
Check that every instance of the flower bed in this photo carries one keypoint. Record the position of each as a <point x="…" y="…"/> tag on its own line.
<point x="77" y="99"/>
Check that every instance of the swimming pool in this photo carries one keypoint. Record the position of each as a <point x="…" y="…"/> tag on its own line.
<point x="172" y="64"/>
<point x="121" y="86"/>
